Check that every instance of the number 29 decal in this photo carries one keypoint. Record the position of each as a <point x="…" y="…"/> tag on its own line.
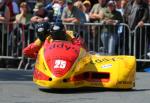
<point x="60" y="64"/>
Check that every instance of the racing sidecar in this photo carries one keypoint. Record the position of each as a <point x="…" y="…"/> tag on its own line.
<point x="81" y="68"/>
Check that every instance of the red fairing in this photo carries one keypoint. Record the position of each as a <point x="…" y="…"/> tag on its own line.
<point x="60" y="56"/>
<point x="39" y="75"/>
<point x="31" y="50"/>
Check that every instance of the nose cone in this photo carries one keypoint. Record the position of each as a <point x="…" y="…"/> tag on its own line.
<point x="60" y="56"/>
<point x="59" y="67"/>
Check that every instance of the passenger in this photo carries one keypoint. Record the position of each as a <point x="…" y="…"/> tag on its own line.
<point x="47" y="35"/>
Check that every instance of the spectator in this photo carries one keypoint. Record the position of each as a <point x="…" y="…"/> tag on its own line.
<point x="24" y="16"/>
<point x="94" y="13"/>
<point x="72" y="14"/>
<point x="31" y="4"/>
<point x="95" y="16"/>
<point x="83" y="29"/>
<point x="149" y="10"/>
<point x="109" y="35"/>
<point x="120" y="5"/>
<point x="58" y="9"/>
<point x="13" y="8"/>
<point x="122" y="32"/>
<point x="79" y="5"/>
<point x="20" y="30"/>
<point x="42" y="1"/>
<point x="148" y="28"/>
<point x="4" y="12"/>
<point x="87" y="5"/>
<point x="63" y="4"/>
<point x="24" y="19"/>
<point x="82" y="8"/>
<point x="50" y="3"/>
<point x="49" y="8"/>
<point x="4" y="18"/>
<point x="136" y="14"/>
<point x="40" y="14"/>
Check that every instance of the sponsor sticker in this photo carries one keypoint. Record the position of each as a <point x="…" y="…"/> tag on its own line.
<point x="106" y="66"/>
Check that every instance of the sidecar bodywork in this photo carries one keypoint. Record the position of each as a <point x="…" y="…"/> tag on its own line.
<point x="89" y="70"/>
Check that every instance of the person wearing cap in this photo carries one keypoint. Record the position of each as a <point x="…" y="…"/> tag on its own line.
<point x="109" y="33"/>
<point x="40" y="14"/>
<point x="87" y="5"/>
<point x="71" y="14"/>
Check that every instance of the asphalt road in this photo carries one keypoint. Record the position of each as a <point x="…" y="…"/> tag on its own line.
<point x="17" y="87"/>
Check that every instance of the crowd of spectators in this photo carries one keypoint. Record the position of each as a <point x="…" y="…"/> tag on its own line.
<point x="111" y="12"/>
<point x="108" y="12"/>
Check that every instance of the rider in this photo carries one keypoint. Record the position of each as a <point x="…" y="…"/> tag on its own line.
<point x="47" y="34"/>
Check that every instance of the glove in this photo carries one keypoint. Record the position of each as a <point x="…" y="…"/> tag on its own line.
<point x="43" y="30"/>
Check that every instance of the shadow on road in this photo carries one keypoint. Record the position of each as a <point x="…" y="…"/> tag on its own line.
<point x="15" y="75"/>
<point x="88" y="90"/>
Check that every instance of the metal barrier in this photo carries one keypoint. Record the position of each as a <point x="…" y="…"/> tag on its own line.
<point x="91" y="32"/>
<point x="13" y="41"/>
<point x="141" y="43"/>
<point x="13" y="38"/>
<point x="7" y="45"/>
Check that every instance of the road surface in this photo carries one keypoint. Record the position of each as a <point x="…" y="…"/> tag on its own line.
<point x="17" y="87"/>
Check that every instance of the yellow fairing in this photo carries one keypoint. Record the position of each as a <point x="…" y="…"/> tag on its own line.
<point x="91" y="71"/>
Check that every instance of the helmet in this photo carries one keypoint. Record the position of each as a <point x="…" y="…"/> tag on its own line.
<point x="43" y="30"/>
<point x="58" y="31"/>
